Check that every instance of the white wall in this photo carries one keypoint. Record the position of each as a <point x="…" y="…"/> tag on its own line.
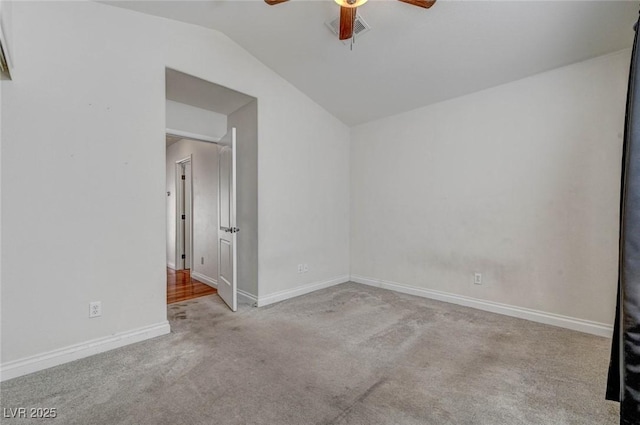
<point x="196" y="121"/>
<point x="519" y="182"/>
<point x="204" y="171"/>
<point x="245" y="120"/>
<point x="83" y="169"/>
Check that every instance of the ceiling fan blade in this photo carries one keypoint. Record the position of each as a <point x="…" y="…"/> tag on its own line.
<point x="274" y="2"/>
<point x="422" y="3"/>
<point x="347" y="18"/>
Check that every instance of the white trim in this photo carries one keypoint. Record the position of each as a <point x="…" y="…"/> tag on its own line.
<point x="193" y="136"/>
<point x="13" y="369"/>
<point x="301" y="290"/>
<point x="204" y="279"/>
<point x="185" y="159"/>
<point x="247" y="298"/>
<point x="171" y="265"/>
<point x="576" y="324"/>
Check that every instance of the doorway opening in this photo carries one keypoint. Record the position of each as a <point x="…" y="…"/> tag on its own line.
<point x="184" y="217"/>
<point x="192" y="194"/>
<point x="211" y="164"/>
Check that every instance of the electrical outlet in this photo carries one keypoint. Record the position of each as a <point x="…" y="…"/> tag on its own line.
<point x="95" y="309"/>
<point x="477" y="278"/>
<point x="305" y="268"/>
<point x="201" y="260"/>
<point x="300" y="268"/>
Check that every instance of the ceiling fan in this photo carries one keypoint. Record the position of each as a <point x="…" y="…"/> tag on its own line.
<point x="348" y="12"/>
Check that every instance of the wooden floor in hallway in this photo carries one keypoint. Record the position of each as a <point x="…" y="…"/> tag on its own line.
<point x="181" y="287"/>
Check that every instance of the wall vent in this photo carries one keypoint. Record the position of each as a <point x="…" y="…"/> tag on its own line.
<point x="359" y="28"/>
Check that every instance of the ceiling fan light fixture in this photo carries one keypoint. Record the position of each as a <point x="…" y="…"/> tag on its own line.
<point x="351" y="3"/>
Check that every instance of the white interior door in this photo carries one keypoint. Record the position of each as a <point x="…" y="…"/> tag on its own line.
<point x="227" y="230"/>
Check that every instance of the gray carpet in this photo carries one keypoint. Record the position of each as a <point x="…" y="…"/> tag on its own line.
<point x="350" y="354"/>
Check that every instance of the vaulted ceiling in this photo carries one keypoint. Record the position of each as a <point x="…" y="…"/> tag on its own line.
<point x="411" y="57"/>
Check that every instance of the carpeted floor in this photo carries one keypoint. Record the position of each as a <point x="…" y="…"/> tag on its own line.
<point x="350" y="354"/>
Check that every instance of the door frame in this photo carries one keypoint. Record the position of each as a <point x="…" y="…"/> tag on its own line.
<point x="179" y="235"/>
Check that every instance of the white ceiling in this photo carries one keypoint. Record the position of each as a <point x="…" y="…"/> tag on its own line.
<point x="412" y="57"/>
<point x="202" y="94"/>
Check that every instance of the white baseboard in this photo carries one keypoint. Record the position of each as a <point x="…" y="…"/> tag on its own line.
<point x="16" y="368"/>
<point x="301" y="290"/>
<point x="247" y="298"/>
<point x="171" y="266"/>
<point x="586" y="326"/>
<point x="204" y="279"/>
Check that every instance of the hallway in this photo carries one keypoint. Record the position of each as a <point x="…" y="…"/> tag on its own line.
<point x="181" y="287"/>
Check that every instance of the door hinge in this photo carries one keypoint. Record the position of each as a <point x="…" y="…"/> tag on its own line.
<point x="184" y="217"/>
<point x="183" y="177"/>
<point x="183" y="256"/>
